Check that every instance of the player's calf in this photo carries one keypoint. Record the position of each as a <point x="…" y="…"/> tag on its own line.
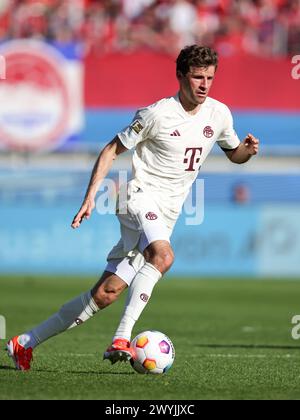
<point x="108" y="290"/>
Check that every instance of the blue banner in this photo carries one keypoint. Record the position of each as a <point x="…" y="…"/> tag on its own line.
<point x="279" y="131"/>
<point x="232" y="241"/>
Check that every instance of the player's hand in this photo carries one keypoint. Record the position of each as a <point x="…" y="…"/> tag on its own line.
<point x="252" y="144"/>
<point x="84" y="213"/>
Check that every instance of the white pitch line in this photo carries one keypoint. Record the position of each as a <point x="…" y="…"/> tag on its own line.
<point x="253" y="356"/>
<point x="217" y="355"/>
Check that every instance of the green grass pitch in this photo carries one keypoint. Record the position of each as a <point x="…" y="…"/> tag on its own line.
<point x="232" y="340"/>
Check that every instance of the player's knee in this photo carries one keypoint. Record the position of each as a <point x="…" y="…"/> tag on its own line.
<point x="168" y="260"/>
<point x="163" y="260"/>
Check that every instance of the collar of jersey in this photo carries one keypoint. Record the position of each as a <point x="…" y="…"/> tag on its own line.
<point x="183" y="111"/>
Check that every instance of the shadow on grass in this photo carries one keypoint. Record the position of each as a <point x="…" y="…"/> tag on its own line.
<point x="100" y="373"/>
<point x="247" y="346"/>
<point x="7" y="368"/>
<point x="72" y="372"/>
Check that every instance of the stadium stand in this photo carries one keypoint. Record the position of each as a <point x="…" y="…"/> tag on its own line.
<point x="261" y="27"/>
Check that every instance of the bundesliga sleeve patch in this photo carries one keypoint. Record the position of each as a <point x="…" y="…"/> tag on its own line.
<point x="137" y="126"/>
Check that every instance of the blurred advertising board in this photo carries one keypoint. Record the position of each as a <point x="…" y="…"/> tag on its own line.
<point x="233" y="241"/>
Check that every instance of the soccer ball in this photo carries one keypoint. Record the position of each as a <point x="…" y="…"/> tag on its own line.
<point x="154" y="352"/>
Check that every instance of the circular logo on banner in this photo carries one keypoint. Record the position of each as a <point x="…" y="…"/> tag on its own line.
<point x="151" y="216"/>
<point x="208" y="132"/>
<point x="34" y="103"/>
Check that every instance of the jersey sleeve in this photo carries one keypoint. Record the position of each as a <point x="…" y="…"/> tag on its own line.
<point x="228" y="139"/>
<point x="141" y="128"/>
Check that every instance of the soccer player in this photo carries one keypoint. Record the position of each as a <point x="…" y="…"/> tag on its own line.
<point x="172" y="138"/>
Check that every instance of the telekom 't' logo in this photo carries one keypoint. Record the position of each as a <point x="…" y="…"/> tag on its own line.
<point x="193" y="155"/>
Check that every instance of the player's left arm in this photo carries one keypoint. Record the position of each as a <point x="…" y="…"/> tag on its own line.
<point x="247" y="148"/>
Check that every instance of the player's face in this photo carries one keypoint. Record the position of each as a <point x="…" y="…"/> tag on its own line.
<point x="196" y="84"/>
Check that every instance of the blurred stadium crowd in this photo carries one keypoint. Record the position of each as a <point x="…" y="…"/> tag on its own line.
<point x="260" y="27"/>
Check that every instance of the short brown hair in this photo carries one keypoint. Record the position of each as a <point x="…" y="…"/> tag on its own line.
<point x="196" y="56"/>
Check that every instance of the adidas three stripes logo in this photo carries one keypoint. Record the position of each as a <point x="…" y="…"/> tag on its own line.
<point x="176" y="134"/>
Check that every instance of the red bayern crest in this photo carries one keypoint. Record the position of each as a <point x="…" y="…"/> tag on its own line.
<point x="151" y="216"/>
<point x="208" y="132"/>
<point x="34" y="99"/>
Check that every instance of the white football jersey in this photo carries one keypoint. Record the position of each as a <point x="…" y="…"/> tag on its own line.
<point x="172" y="145"/>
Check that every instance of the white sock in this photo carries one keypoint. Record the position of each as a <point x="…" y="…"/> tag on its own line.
<point x="139" y="294"/>
<point x="69" y="316"/>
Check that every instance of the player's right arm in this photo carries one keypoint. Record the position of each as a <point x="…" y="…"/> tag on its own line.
<point x="101" y="169"/>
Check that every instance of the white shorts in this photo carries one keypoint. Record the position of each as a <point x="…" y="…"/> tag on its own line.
<point x="141" y="224"/>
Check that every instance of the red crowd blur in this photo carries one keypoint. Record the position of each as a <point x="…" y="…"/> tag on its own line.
<point x="260" y="27"/>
